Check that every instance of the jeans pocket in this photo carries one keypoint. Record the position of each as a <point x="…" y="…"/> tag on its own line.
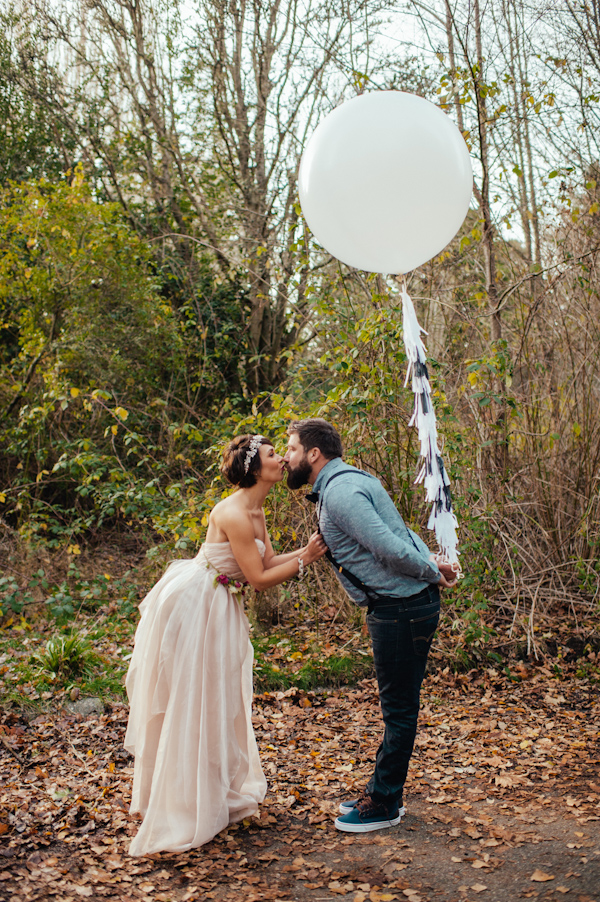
<point x="423" y="630"/>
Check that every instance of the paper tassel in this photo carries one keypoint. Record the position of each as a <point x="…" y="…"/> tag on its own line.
<point x="433" y="473"/>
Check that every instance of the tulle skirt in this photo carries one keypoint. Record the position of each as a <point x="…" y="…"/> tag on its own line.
<point x="190" y="691"/>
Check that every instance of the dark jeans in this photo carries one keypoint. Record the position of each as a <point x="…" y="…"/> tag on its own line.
<point x="401" y="635"/>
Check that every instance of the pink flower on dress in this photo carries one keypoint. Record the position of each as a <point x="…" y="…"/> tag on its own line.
<point x="233" y="585"/>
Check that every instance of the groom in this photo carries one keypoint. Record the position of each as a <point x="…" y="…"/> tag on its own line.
<point x="385" y="567"/>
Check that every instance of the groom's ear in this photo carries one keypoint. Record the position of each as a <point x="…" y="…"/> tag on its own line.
<point x="313" y="455"/>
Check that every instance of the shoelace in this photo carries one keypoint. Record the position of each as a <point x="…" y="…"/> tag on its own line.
<point x="367" y="806"/>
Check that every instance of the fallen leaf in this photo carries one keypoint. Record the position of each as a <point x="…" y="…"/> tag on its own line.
<point x="478" y="887"/>
<point x="503" y="780"/>
<point x="540" y="877"/>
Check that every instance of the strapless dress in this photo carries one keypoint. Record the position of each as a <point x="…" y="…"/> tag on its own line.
<point x="189" y="686"/>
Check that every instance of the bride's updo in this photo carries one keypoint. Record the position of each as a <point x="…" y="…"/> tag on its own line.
<point x="241" y="460"/>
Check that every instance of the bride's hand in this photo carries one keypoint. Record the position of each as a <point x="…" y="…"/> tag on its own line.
<point x="315" y="548"/>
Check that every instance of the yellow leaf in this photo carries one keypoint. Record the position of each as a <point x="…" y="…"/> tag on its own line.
<point x="2" y="497"/>
<point x="121" y="413"/>
<point x="75" y="392"/>
<point x="595" y="207"/>
<point x="114" y="429"/>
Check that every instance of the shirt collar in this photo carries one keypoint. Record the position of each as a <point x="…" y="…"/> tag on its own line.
<point x="328" y="470"/>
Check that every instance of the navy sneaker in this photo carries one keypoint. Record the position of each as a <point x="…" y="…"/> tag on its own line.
<point x="346" y="807"/>
<point x="369" y="815"/>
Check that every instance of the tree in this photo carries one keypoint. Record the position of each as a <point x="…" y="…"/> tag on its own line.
<point x="30" y="143"/>
<point x="196" y="129"/>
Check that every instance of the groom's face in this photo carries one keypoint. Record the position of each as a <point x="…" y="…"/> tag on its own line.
<point x="296" y="463"/>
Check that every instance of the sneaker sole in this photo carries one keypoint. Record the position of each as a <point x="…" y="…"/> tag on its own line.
<point x="346" y="809"/>
<point x="367" y="828"/>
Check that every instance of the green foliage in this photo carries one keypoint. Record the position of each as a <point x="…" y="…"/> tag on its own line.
<point x="77" y="297"/>
<point x="66" y="657"/>
<point x="87" y="353"/>
<point x="76" y="594"/>
<point x="14" y="598"/>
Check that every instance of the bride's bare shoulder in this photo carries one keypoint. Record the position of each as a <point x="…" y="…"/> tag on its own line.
<point x="227" y="508"/>
<point x="227" y="516"/>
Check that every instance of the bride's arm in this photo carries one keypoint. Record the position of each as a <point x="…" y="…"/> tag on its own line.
<point x="240" y="534"/>
<point x="271" y="559"/>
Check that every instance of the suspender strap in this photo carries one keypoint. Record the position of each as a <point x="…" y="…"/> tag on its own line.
<point x="371" y="595"/>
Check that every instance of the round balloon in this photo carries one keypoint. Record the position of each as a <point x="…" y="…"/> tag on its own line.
<point x="385" y="181"/>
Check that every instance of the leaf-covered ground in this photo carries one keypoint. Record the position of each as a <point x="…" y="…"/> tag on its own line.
<point x="503" y="802"/>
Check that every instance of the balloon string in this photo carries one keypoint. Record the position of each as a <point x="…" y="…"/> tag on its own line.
<point x="432" y="474"/>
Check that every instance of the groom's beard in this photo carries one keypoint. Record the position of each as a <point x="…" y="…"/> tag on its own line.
<point x="299" y="476"/>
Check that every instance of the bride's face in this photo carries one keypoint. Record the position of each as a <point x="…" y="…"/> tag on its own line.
<point x="271" y="464"/>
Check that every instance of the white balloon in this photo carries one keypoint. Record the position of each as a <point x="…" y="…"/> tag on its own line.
<point x="385" y="181"/>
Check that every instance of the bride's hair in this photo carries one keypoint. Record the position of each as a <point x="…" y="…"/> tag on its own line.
<point x="234" y="457"/>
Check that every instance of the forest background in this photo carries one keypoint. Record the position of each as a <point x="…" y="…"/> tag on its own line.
<point x="160" y="292"/>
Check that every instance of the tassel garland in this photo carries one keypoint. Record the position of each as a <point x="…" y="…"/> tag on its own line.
<point x="433" y="473"/>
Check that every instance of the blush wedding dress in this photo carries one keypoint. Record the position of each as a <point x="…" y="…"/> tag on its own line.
<point x="189" y="686"/>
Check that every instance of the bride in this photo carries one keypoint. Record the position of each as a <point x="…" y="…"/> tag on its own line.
<point x="190" y="678"/>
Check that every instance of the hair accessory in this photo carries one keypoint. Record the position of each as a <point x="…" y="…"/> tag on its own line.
<point x="255" y="443"/>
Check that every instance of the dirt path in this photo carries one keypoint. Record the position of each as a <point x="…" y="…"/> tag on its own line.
<point x="503" y="803"/>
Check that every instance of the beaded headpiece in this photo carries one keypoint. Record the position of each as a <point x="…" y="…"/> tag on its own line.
<point x="255" y="444"/>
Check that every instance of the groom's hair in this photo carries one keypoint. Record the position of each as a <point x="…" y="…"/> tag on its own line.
<point x="318" y="433"/>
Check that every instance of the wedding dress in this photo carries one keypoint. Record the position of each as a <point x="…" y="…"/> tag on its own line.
<point x="190" y="693"/>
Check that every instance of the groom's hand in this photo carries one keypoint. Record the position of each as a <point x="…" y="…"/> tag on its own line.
<point x="448" y="583"/>
<point x="447" y="570"/>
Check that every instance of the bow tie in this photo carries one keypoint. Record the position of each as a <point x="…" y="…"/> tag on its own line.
<point x="312" y="496"/>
